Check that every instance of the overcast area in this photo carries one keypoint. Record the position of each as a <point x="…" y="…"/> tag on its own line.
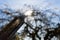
<point x="38" y="3"/>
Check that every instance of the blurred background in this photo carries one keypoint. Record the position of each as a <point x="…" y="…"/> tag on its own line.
<point x="42" y="19"/>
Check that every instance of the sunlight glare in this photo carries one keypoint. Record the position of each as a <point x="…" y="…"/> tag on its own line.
<point x="28" y="13"/>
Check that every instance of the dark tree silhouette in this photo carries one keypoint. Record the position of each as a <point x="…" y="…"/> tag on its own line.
<point x="36" y="24"/>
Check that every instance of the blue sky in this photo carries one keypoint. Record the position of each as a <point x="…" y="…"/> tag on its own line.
<point x="16" y="4"/>
<point x="19" y="3"/>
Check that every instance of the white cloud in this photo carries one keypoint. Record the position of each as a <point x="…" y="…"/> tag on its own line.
<point x="18" y="4"/>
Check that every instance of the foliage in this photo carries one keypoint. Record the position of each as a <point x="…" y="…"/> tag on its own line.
<point x="38" y="25"/>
